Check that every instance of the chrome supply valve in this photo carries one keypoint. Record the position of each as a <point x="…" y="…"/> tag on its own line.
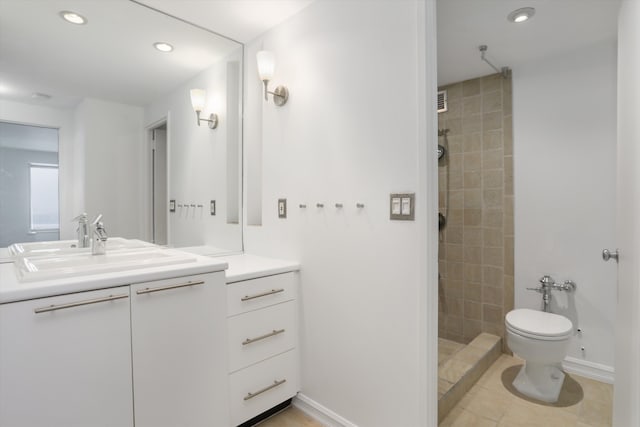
<point x="99" y="237"/>
<point x="547" y="284"/>
<point x="82" y="230"/>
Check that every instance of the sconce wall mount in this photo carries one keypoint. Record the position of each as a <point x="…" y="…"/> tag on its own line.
<point x="266" y="66"/>
<point x="198" y="97"/>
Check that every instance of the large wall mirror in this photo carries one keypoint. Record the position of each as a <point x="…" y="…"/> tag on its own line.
<point x="99" y="108"/>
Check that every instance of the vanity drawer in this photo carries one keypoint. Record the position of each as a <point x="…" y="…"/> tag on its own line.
<point x="260" y="334"/>
<point x="258" y="293"/>
<point x="262" y="386"/>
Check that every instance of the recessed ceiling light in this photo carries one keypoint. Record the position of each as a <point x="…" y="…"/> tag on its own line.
<point x="163" y="47"/>
<point x="73" y="17"/>
<point x="521" y="15"/>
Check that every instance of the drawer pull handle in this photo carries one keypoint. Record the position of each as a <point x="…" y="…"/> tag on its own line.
<point x="79" y="303"/>
<point x="166" y="288"/>
<point x="264" y="294"/>
<point x="261" y="337"/>
<point x="274" y="385"/>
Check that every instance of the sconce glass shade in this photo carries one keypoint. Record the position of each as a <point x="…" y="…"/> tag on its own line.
<point x="266" y="64"/>
<point x="198" y="97"/>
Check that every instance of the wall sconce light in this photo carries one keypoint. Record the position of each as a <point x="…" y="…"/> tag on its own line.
<point x="266" y="66"/>
<point x="198" y="97"/>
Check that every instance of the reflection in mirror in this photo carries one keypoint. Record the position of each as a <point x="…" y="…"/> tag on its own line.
<point x="127" y="142"/>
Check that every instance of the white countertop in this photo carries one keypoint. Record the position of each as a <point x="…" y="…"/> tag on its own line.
<point x="247" y="266"/>
<point x="12" y="290"/>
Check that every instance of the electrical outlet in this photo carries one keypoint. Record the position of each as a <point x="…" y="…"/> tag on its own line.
<point x="212" y="207"/>
<point x="282" y="208"/>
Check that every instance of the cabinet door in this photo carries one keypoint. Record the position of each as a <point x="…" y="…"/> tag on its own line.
<point x="65" y="361"/>
<point x="179" y="356"/>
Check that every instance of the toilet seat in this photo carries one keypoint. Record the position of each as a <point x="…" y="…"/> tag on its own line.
<point x="538" y="324"/>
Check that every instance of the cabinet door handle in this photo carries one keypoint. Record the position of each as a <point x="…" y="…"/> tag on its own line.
<point x="261" y="337"/>
<point x="264" y="294"/>
<point x="274" y="385"/>
<point x="166" y="288"/>
<point x="79" y="303"/>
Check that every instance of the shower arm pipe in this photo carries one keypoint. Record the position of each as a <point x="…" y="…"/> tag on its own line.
<point x="443" y="132"/>
<point x="504" y="71"/>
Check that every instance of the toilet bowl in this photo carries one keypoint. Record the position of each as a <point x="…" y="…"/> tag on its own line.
<point x="542" y="340"/>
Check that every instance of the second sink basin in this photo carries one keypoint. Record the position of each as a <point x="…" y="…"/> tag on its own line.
<point x="33" y="268"/>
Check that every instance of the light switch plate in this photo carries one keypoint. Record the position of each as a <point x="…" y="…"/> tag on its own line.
<point x="282" y="208"/>
<point x="212" y="207"/>
<point x="402" y="206"/>
<point x="172" y="205"/>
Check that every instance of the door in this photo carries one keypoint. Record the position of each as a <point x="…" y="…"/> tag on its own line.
<point x="159" y="168"/>
<point x="65" y="361"/>
<point x="178" y="329"/>
<point x="627" y="352"/>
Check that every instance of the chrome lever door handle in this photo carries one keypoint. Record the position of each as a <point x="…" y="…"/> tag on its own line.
<point x="607" y="255"/>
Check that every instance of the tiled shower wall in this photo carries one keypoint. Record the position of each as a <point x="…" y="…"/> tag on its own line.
<point x="476" y="246"/>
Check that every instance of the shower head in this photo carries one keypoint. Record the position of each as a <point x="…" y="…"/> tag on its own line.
<point x="441" y="151"/>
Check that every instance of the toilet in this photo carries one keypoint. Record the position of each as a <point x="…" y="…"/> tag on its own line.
<point x="542" y="340"/>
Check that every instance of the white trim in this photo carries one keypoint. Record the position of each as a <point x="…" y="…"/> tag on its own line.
<point x="428" y="234"/>
<point x="323" y="415"/>
<point x="595" y="371"/>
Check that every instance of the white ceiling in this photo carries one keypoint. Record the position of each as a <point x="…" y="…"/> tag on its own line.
<point x="558" y="26"/>
<point x="112" y="57"/>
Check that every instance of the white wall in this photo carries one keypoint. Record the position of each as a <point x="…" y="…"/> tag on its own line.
<point x="198" y="156"/>
<point x="349" y="133"/>
<point x="627" y="388"/>
<point x="112" y="136"/>
<point x="71" y="200"/>
<point x="564" y="112"/>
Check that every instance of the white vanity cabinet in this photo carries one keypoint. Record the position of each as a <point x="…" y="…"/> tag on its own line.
<point x="65" y="361"/>
<point x="262" y="344"/>
<point x="178" y="336"/>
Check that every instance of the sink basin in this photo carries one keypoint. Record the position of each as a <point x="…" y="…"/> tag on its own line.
<point x="60" y="247"/>
<point x="34" y="268"/>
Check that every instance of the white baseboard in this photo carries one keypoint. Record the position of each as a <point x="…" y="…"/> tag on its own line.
<point x="595" y="371"/>
<point x="323" y="415"/>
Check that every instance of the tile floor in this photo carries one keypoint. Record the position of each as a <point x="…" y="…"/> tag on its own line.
<point x="493" y="402"/>
<point x="446" y="349"/>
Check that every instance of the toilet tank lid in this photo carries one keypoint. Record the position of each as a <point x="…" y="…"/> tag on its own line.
<point x="538" y="322"/>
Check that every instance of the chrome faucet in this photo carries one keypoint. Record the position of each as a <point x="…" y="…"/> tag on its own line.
<point x="99" y="237"/>
<point x="82" y="230"/>
<point x="547" y="284"/>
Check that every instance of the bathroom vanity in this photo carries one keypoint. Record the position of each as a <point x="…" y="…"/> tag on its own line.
<point x="183" y="343"/>
<point x="82" y="351"/>
<point x="264" y="360"/>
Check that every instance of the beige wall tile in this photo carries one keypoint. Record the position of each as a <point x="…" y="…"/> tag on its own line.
<point x="472" y="199"/>
<point x="492" y="276"/>
<point x="472" y="292"/>
<point x="472" y="180"/>
<point x="508" y="135"/>
<point x="472" y="310"/>
<point x="455" y="143"/>
<point x="471" y="105"/>
<point x="456" y="216"/>
<point x="491" y="101"/>
<point x="454" y="91"/>
<point x="492" y="198"/>
<point x="470" y="87"/>
<point x="492" y="295"/>
<point x="473" y="255"/>
<point x="492" y="82"/>
<point x="454" y="234"/>
<point x="473" y="217"/>
<point x="456" y="199"/>
<point x="472" y="273"/>
<point x="454" y="252"/>
<point x="455" y="107"/>
<point x="472" y="236"/>
<point x="492" y="140"/>
<point x="472" y="161"/>
<point x="493" y="178"/>
<point x="472" y="123"/>
<point x="454" y="126"/>
<point x="492" y="218"/>
<point x="493" y="237"/>
<point x="471" y="329"/>
<point x="492" y="256"/>
<point x="455" y="271"/>
<point x="493" y="159"/>
<point x="492" y="313"/>
<point x="472" y="142"/>
<point x="491" y="121"/>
